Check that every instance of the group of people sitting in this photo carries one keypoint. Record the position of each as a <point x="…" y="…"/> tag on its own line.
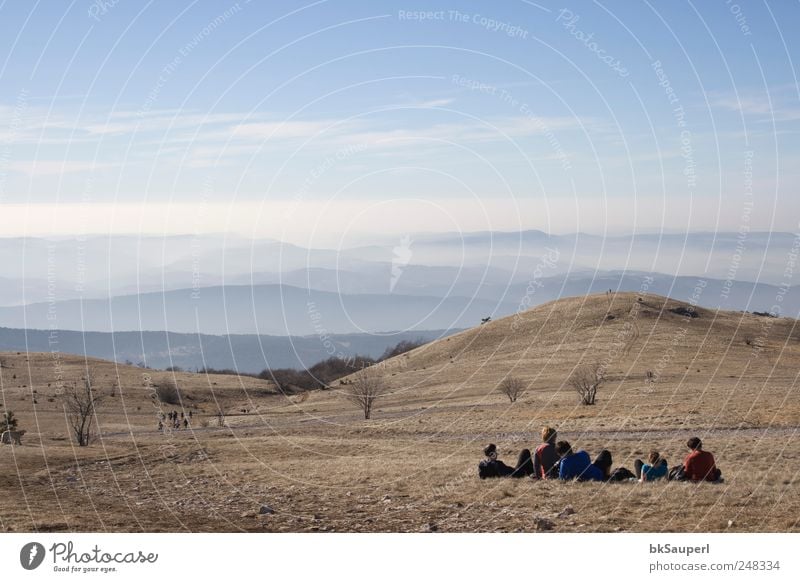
<point x="555" y="459"/>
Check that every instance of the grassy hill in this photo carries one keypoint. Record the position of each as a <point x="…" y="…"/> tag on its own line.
<point x="717" y="366"/>
<point x="727" y="377"/>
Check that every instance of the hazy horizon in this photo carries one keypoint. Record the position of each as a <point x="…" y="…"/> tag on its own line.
<point x="307" y="127"/>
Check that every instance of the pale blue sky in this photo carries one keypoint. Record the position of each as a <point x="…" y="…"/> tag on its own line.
<point x="496" y="115"/>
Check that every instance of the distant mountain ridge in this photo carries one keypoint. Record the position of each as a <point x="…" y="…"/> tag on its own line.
<point x="245" y="353"/>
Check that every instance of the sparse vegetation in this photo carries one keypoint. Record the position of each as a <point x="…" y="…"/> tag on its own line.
<point x="401" y="348"/>
<point x="80" y="403"/>
<point x="318" y="376"/>
<point x="512" y="387"/>
<point x="322" y="374"/>
<point x="364" y="391"/>
<point x="586" y="380"/>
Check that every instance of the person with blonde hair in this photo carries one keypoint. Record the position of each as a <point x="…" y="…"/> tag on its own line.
<point x="545" y="459"/>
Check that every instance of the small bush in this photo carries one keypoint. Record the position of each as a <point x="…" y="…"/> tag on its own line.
<point x="586" y="380"/>
<point x="513" y="388"/>
<point x="168" y="393"/>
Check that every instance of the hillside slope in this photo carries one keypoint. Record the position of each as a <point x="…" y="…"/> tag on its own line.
<point x="700" y="361"/>
<point x="31" y="384"/>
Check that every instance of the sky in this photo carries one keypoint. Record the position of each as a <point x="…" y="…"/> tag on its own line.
<point x="303" y="120"/>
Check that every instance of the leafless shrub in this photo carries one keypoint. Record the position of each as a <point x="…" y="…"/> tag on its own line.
<point x="512" y="387"/>
<point x="586" y="380"/>
<point x="364" y="390"/>
<point x="80" y="405"/>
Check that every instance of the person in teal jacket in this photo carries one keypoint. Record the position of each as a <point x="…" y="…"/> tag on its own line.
<point x="655" y="468"/>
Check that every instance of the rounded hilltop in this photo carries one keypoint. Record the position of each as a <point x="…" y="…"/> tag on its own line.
<point x="638" y="338"/>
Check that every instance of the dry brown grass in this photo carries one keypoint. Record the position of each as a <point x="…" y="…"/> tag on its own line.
<point x="413" y="467"/>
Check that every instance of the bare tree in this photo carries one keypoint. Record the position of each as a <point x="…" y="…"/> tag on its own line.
<point x="80" y="404"/>
<point x="364" y="390"/>
<point x="586" y="380"/>
<point x="512" y="387"/>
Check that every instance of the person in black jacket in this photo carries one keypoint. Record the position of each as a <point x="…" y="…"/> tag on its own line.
<point x="491" y="466"/>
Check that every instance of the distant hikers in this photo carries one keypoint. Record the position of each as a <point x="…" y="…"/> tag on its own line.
<point x="491" y="466"/>
<point x="545" y="459"/>
<point x="699" y="465"/>
<point x="654" y="469"/>
<point x="175" y="420"/>
<point x="576" y="466"/>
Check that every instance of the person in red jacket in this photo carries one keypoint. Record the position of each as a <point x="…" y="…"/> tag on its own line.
<point x="699" y="465"/>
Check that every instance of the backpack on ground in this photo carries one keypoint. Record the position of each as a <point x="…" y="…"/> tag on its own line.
<point x="621" y="474"/>
<point x="676" y="474"/>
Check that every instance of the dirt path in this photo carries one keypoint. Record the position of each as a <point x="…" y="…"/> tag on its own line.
<point x="514" y="436"/>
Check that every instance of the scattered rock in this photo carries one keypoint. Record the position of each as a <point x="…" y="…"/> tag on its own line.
<point x="542" y="524"/>
<point x="431" y="527"/>
<point x="248" y="514"/>
<point x="567" y="511"/>
<point x="730" y="523"/>
<point x="266" y="510"/>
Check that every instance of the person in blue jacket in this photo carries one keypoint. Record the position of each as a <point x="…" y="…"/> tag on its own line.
<point x="576" y="465"/>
